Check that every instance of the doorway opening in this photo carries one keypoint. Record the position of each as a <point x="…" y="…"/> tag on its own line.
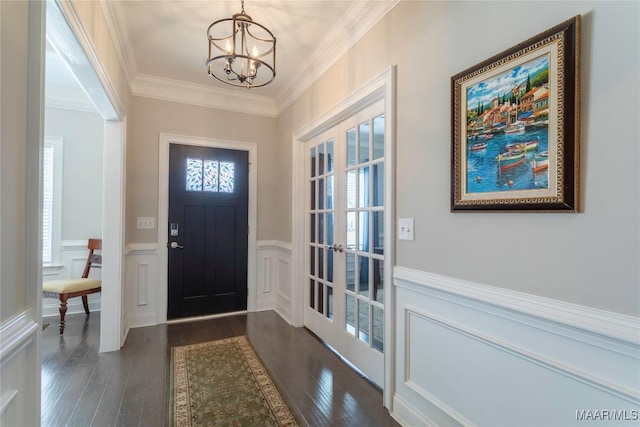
<point x="66" y="38"/>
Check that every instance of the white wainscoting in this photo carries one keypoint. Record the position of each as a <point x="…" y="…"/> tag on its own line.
<point x="141" y="284"/>
<point x="273" y="277"/>
<point x="471" y="354"/>
<point x="18" y="356"/>
<point x="273" y="281"/>
<point x="73" y="257"/>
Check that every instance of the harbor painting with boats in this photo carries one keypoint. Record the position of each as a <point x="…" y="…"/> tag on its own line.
<point x="507" y="130"/>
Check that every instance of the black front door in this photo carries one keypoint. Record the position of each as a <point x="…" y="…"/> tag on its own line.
<point x="207" y="230"/>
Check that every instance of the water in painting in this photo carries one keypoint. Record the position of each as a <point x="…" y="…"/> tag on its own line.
<point x="508" y="130"/>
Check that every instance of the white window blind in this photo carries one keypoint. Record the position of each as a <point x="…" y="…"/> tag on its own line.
<point x="51" y="198"/>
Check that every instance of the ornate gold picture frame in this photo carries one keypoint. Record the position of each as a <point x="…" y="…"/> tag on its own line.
<point x="515" y="127"/>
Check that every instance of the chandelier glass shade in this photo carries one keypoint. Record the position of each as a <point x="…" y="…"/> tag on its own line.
<point x="241" y="51"/>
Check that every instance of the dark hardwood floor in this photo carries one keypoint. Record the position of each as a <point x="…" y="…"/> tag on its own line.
<point x="130" y="387"/>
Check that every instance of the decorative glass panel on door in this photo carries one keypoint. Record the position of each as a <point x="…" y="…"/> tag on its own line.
<point x="209" y="176"/>
<point x="321" y="228"/>
<point x="364" y="213"/>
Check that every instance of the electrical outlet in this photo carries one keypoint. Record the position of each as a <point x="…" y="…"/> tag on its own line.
<point x="405" y="229"/>
<point x="145" y="223"/>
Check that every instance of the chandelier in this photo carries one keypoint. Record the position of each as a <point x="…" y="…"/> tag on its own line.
<point x="241" y="51"/>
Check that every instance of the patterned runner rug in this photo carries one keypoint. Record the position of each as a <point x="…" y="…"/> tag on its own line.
<point x="223" y="383"/>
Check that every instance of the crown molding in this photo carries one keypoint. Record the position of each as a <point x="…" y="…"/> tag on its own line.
<point x="354" y="24"/>
<point x="68" y="99"/>
<point x="191" y="93"/>
<point x="357" y="22"/>
<point x="116" y="21"/>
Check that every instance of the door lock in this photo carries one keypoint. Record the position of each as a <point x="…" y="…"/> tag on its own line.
<point x="175" y="245"/>
<point x="335" y="247"/>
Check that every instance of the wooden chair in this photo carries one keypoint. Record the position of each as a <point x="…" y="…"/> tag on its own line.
<point x="69" y="288"/>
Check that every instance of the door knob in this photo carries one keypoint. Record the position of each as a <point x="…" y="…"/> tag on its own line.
<point x="335" y="247"/>
<point x="175" y="245"/>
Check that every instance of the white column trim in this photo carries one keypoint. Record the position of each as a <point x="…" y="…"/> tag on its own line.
<point x="165" y="140"/>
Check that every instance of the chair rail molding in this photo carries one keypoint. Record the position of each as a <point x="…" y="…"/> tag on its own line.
<point x="606" y="323"/>
<point x="141" y="249"/>
<point x="454" y="334"/>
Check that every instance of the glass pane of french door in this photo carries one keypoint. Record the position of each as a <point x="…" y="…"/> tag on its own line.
<point x="321" y="228"/>
<point x="364" y="249"/>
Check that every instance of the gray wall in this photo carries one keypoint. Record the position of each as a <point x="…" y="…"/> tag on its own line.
<point x="151" y="117"/>
<point x="13" y="156"/>
<point x="21" y="46"/>
<point x="589" y="258"/>
<point x="82" y="135"/>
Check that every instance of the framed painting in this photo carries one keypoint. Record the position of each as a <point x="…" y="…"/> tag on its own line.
<point x="515" y="127"/>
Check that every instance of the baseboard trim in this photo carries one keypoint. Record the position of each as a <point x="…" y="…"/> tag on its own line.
<point x="265" y="305"/>
<point x="208" y="317"/>
<point x="284" y="315"/>
<point x="407" y="415"/>
<point x="142" y="320"/>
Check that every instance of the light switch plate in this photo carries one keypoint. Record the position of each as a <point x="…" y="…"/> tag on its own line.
<point x="145" y="223"/>
<point x="405" y="229"/>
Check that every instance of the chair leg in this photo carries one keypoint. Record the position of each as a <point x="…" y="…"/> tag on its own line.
<point x="85" y="303"/>
<point x="63" y="311"/>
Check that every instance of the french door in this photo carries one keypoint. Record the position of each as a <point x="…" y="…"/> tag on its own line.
<point x="344" y="297"/>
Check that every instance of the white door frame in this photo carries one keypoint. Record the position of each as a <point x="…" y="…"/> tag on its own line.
<point x="165" y="141"/>
<point x="76" y="49"/>
<point x="381" y="87"/>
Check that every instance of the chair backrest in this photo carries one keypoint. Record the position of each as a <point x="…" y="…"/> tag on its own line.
<point x="93" y="260"/>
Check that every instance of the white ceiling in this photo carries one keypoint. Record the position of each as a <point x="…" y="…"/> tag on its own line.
<point x="163" y="44"/>
<point x="62" y="89"/>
